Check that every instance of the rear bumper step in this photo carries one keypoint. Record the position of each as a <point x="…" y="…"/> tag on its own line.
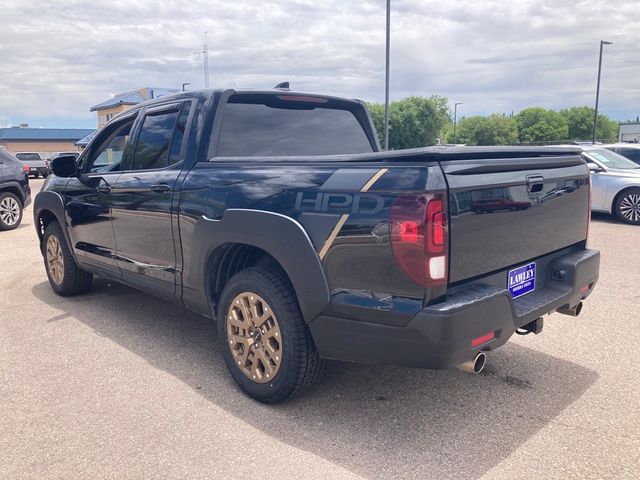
<point x="441" y="336"/>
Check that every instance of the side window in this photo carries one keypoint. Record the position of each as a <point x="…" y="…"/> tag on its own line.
<point x="108" y="157"/>
<point x="154" y="147"/>
<point x="630" y="153"/>
<point x="178" y="136"/>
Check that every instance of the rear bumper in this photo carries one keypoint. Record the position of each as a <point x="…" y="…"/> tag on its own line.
<point x="440" y="335"/>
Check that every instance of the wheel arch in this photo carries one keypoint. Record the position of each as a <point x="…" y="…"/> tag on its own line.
<point x="49" y="207"/>
<point x="245" y="237"/>
<point x="619" y="194"/>
<point x="15" y="189"/>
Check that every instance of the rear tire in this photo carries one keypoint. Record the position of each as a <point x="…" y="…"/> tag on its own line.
<point x="65" y="277"/>
<point x="270" y="353"/>
<point x="10" y="211"/>
<point x="627" y="206"/>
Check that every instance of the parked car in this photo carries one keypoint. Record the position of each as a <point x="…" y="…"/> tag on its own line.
<point x="37" y="165"/>
<point x="15" y="193"/>
<point x="60" y="154"/>
<point x="277" y="214"/>
<point x="615" y="184"/>
<point x="629" y="150"/>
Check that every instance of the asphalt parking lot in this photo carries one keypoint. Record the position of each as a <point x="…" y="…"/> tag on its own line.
<point x="119" y="384"/>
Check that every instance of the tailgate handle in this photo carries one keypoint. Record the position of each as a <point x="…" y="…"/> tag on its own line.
<point x="535" y="183"/>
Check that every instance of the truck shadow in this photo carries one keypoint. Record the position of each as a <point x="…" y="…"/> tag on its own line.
<point x="380" y="422"/>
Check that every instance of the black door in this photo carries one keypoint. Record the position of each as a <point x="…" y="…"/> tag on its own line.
<point x="88" y="197"/>
<point x="142" y="199"/>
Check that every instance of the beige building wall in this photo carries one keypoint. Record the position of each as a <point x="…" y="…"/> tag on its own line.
<point x="45" y="148"/>
<point x="108" y="113"/>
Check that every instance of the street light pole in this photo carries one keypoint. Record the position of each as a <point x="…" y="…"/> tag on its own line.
<point x="386" y="88"/>
<point x="595" y="116"/>
<point x="455" y="120"/>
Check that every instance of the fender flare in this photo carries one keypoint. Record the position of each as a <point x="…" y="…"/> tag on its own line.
<point x="280" y="236"/>
<point x="52" y="202"/>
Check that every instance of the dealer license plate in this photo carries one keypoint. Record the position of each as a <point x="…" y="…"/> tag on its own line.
<point x="522" y="280"/>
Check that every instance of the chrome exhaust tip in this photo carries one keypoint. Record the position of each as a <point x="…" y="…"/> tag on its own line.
<point x="573" y="312"/>
<point x="476" y="365"/>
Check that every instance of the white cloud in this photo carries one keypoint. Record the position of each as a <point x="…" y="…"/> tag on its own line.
<point x="61" y="57"/>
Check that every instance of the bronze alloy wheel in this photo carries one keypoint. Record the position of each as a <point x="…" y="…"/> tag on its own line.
<point x="55" y="259"/>
<point x="254" y="337"/>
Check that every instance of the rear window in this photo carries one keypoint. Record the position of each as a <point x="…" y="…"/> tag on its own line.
<point x="289" y="128"/>
<point x="24" y="157"/>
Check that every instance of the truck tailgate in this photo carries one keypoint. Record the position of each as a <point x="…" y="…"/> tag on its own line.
<point x="505" y="212"/>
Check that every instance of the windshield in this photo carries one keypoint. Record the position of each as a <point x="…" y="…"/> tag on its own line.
<point x="611" y="159"/>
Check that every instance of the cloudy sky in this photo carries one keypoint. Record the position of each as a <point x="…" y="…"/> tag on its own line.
<point x="60" y="57"/>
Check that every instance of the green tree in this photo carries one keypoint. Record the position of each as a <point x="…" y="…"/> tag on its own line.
<point x="536" y="124"/>
<point x="413" y="121"/>
<point x="607" y="129"/>
<point x="496" y="129"/>
<point x="580" y="123"/>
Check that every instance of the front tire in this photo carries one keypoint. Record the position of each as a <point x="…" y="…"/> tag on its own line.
<point x="267" y="347"/>
<point x="65" y="277"/>
<point x="10" y="211"/>
<point x="627" y="206"/>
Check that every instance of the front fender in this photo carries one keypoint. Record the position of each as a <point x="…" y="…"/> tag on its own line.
<point x="51" y="202"/>
<point x="280" y="236"/>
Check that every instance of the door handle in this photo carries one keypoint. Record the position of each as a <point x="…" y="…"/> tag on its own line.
<point x="535" y="183"/>
<point x="160" y="188"/>
<point x="104" y="188"/>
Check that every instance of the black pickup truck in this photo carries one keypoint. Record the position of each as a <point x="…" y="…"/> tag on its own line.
<point x="276" y="214"/>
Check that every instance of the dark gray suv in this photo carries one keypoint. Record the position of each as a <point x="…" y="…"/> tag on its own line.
<point x="15" y="193"/>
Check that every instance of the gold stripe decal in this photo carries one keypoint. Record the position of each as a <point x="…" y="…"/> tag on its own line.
<point x="374" y="179"/>
<point x="344" y="217"/>
<point x="334" y="234"/>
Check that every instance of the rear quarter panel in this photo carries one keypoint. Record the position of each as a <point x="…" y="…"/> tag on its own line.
<point x="344" y="213"/>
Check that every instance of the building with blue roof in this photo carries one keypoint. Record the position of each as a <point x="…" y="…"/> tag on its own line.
<point x="42" y="140"/>
<point x="124" y="101"/>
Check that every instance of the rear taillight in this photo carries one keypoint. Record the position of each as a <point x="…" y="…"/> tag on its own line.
<point x="419" y="237"/>
<point x="25" y="168"/>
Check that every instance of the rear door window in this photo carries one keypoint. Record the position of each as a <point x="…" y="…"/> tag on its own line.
<point x="154" y="147"/>
<point x="274" y="127"/>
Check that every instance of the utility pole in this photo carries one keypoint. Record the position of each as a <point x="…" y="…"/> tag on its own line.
<point x="595" y="117"/>
<point x="205" y="52"/>
<point x="386" y="88"/>
<point x="205" y="56"/>
<point x="455" y="120"/>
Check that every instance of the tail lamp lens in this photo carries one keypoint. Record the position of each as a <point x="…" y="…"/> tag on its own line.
<point x="418" y="230"/>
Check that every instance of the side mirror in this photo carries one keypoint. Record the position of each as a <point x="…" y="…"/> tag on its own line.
<point x="64" y="167"/>
<point x="594" y="167"/>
